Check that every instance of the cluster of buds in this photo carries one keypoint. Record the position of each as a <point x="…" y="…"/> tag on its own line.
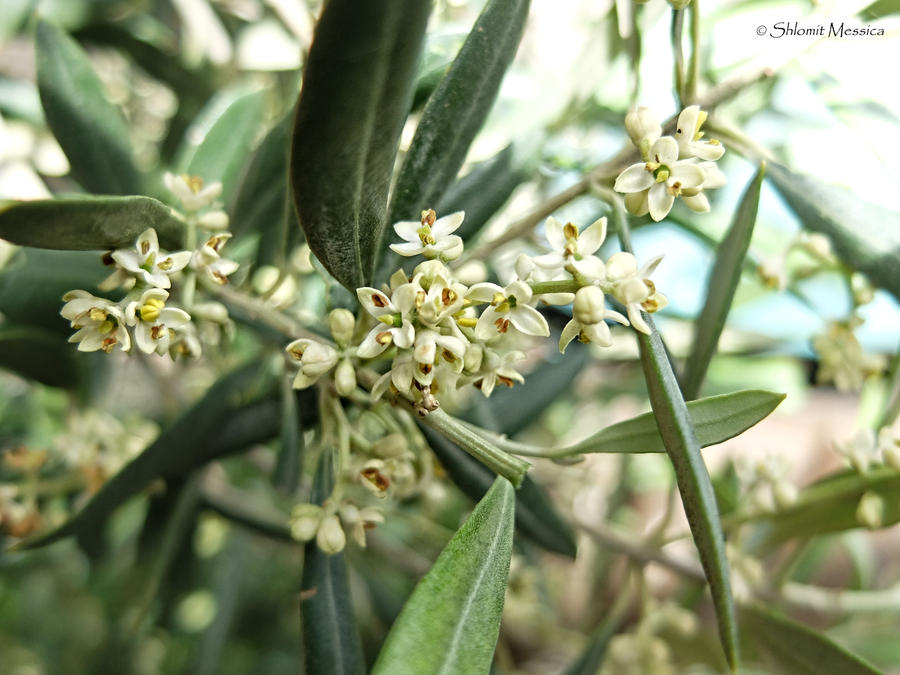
<point x="865" y="450"/>
<point x="330" y="523"/>
<point x="680" y="166"/>
<point x="842" y="359"/>
<point x="766" y="484"/>
<point x="813" y="255"/>
<point x="644" y="650"/>
<point x="146" y="272"/>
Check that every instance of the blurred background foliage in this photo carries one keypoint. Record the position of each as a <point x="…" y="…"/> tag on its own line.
<point x="199" y="575"/>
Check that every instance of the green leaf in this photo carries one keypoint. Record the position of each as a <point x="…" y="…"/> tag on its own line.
<point x="286" y="475"/>
<point x="457" y="109"/>
<point x="37" y="354"/>
<point x="715" y="419"/>
<point x="88" y="223"/>
<point x="330" y="635"/>
<point x="694" y="484"/>
<point x="830" y="506"/>
<point x="795" y="649"/>
<point x="232" y="415"/>
<point x="864" y="235"/>
<point x="223" y="152"/>
<point x="720" y="288"/>
<point x="354" y="101"/>
<point x="451" y="622"/>
<point x="536" y="517"/>
<point x="89" y="128"/>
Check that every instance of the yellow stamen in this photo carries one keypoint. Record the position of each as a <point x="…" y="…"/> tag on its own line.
<point x="150" y="310"/>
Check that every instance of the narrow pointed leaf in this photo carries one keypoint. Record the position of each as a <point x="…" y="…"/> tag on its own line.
<point x="91" y="131"/>
<point x="864" y="235"/>
<point x="451" y="622"/>
<point x="795" y="649"/>
<point x="355" y="97"/>
<point x="694" y="484"/>
<point x="330" y="635"/>
<point x="233" y="414"/>
<point x="223" y="152"/>
<point x="456" y="111"/>
<point x="88" y="223"/>
<point x="536" y="517"/>
<point x="286" y="475"/>
<point x="38" y="354"/>
<point x="720" y="288"/>
<point x="715" y="419"/>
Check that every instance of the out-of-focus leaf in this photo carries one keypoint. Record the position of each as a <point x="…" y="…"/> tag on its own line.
<point x="89" y="128"/>
<point x="864" y="235"/>
<point x="287" y="468"/>
<point x="880" y="9"/>
<point x="483" y="190"/>
<point x="451" y="622"/>
<point x="33" y="282"/>
<point x="536" y="517"/>
<point x="37" y="354"/>
<point x="795" y="649"/>
<point x="456" y="111"/>
<point x="720" y="288"/>
<point x="214" y="426"/>
<point x="222" y="154"/>
<point x="353" y="104"/>
<point x="88" y="223"/>
<point x="830" y="506"/>
<point x="330" y="634"/>
<point x="715" y="419"/>
<point x="697" y="495"/>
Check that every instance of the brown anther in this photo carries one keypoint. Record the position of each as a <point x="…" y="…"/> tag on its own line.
<point x="97" y="314"/>
<point x="420" y="299"/>
<point x="570" y="231"/>
<point x="428" y="217"/>
<point x="505" y="380"/>
<point x="220" y="278"/>
<point x="448" y="355"/>
<point x="384" y="337"/>
<point x="674" y="189"/>
<point x="165" y="265"/>
<point x="107" y="259"/>
<point x="108" y="344"/>
<point x="502" y="325"/>
<point x="156" y="332"/>
<point x="195" y="183"/>
<point x="448" y="296"/>
<point x="425" y="368"/>
<point x="379" y="300"/>
<point x="145" y="247"/>
<point x="479" y="384"/>
<point x="378" y="480"/>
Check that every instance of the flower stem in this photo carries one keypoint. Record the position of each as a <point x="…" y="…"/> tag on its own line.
<point x="693" y="75"/>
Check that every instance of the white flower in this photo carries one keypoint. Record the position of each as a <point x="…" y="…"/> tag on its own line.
<point x="315" y="359"/>
<point x="588" y="319"/>
<point x="632" y="287"/>
<point x="359" y="520"/>
<point x="507" y="306"/>
<point x="396" y="327"/>
<point x="147" y="263"/>
<point x="207" y="262"/>
<point x="495" y="368"/>
<point x="155" y="325"/>
<point x="191" y="192"/>
<point x="861" y="450"/>
<point x="427" y="356"/>
<point x="889" y="446"/>
<point x="431" y="236"/>
<point x="695" y="198"/>
<point x="662" y="175"/>
<point x="643" y="129"/>
<point x="100" y="323"/>
<point x="574" y="249"/>
<point x="400" y="376"/>
<point x="688" y="136"/>
<point x="442" y="300"/>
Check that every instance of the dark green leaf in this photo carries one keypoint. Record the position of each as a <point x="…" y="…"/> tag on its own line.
<point x="228" y="418"/>
<point x="451" y="622"/>
<point x="88" y="223"/>
<point x="330" y="635"/>
<point x="37" y="354"/>
<point x="222" y="154"/>
<point x="864" y="235"/>
<point x="536" y="517"/>
<point x="694" y="484"/>
<point x="715" y="419"/>
<point x="290" y="456"/>
<point x="457" y="109"/>
<point x="795" y="649"/>
<point x="89" y="128"/>
<point x="720" y="288"/>
<point x="353" y="104"/>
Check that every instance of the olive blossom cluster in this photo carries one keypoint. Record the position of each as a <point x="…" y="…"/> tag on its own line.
<point x="682" y="165"/>
<point x="146" y="316"/>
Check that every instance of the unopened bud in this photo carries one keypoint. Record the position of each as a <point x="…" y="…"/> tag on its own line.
<point x="331" y="538"/>
<point x="214" y="220"/>
<point x="870" y="512"/>
<point x="345" y="378"/>
<point x="342" y="324"/>
<point x="643" y="128"/>
<point x="863" y="293"/>
<point x="305" y="519"/>
<point x="785" y="493"/>
<point x="210" y="311"/>
<point x="588" y="307"/>
<point x="392" y="445"/>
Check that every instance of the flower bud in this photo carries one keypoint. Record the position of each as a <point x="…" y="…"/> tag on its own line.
<point x="331" y="538"/>
<point x="214" y="220"/>
<point x="785" y="493"/>
<point x="342" y="323"/>
<point x="305" y="519"/>
<point x="643" y="128"/>
<point x="588" y="307"/>
<point x="870" y="512"/>
<point x="863" y="293"/>
<point x="471" y="273"/>
<point x="392" y="445"/>
<point x="345" y="378"/>
<point x="211" y="311"/>
<point x="679" y="4"/>
<point x="473" y="357"/>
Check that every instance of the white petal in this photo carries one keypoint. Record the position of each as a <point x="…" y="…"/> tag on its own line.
<point x="615" y="316"/>
<point x="549" y="261"/>
<point x="370" y="346"/>
<point x="664" y="151"/>
<point x="485" y="328"/>
<point x="634" y="179"/>
<point x="712" y="175"/>
<point x="569" y="333"/>
<point x="483" y="292"/>
<point x="425" y="348"/>
<point x="488" y="383"/>
<point x="636" y="203"/>
<point x="687" y="125"/>
<point x="637" y="319"/>
<point x="366" y="297"/>
<point x="553" y="230"/>
<point x="707" y="150"/>
<point x="650" y="266"/>
<point x="147" y="237"/>
<point x="142" y="337"/>
<point x="179" y="260"/>
<point x="689" y="175"/>
<point x="402" y="375"/>
<point x="129" y="260"/>
<point x="454" y="248"/>
<point x="660" y="201"/>
<point x="592" y="238"/>
<point x="621" y="265"/>
<point x="599" y="334"/>
<point x="697" y="203"/>
<point x="302" y="381"/>
<point x="447" y="225"/>
<point x="408" y="230"/>
<point x="173" y="317"/>
<point x="529" y="321"/>
<point x="590" y="267"/>
<point x="408" y="249"/>
<point x="520" y="290"/>
<point x="454" y="345"/>
<point x="404" y="335"/>
<point x="558" y="299"/>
